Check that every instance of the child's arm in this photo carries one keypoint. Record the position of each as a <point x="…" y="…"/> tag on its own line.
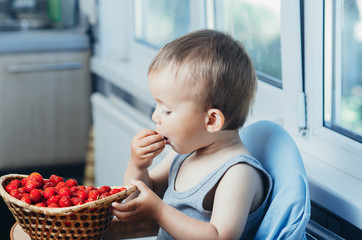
<point x="234" y="197"/>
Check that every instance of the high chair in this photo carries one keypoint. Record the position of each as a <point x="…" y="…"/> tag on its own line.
<point x="289" y="207"/>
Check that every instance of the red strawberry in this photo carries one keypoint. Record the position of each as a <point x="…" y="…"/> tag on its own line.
<point x="30" y="185"/>
<point x="23" y="181"/>
<point x="26" y="199"/>
<point x="104" y="195"/>
<point x="90" y="188"/>
<point x="53" y="199"/>
<point x="40" y="204"/>
<point x="76" y="201"/>
<point x="36" y="177"/>
<point x="89" y="200"/>
<point x="48" y="184"/>
<point x="10" y="187"/>
<point x="74" y="190"/>
<point x="82" y="187"/>
<point x="16" y="194"/>
<point x="22" y="190"/>
<point x="53" y="205"/>
<point x="104" y="189"/>
<point x="60" y="186"/>
<point x="82" y="194"/>
<point x="35" y="195"/>
<point x="16" y="182"/>
<point x="71" y="182"/>
<point x="48" y="192"/>
<point x="65" y="202"/>
<point x="65" y="192"/>
<point x="93" y="194"/>
<point x="56" y="179"/>
<point x="114" y="191"/>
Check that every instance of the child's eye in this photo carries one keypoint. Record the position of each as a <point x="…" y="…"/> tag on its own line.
<point x="167" y="112"/>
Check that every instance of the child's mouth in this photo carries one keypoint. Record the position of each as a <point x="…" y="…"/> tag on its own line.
<point x="166" y="140"/>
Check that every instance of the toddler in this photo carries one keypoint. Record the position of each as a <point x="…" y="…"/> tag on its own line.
<point x="209" y="186"/>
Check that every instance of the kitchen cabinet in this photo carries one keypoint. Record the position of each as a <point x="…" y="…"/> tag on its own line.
<point x="44" y="107"/>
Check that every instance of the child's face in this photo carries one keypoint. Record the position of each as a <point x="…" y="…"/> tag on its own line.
<point x="178" y="117"/>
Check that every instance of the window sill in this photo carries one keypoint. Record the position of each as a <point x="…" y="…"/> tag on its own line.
<point x="335" y="190"/>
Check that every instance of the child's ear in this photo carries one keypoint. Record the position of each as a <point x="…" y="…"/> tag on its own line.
<point x="215" y="120"/>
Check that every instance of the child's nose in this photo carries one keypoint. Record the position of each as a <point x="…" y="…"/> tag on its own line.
<point x="155" y="117"/>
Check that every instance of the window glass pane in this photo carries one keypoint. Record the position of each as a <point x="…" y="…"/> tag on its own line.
<point x="343" y="67"/>
<point x="157" y="22"/>
<point x="256" y="23"/>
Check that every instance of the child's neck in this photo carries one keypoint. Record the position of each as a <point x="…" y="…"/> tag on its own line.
<point x="226" y="142"/>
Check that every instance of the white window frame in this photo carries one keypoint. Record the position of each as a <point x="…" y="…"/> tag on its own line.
<point x="333" y="161"/>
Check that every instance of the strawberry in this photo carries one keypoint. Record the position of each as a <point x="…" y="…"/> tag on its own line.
<point x="104" y="195"/>
<point x="114" y="191"/>
<point x="104" y="189"/>
<point x="60" y="186"/>
<point x="53" y="199"/>
<point x="89" y="200"/>
<point x="89" y="188"/>
<point x="65" y="192"/>
<point x="56" y="179"/>
<point x="16" y="182"/>
<point x="35" y="195"/>
<point x="40" y="204"/>
<point x="16" y="194"/>
<point x="65" y="202"/>
<point x="47" y="184"/>
<point x="30" y="185"/>
<point x="10" y="187"/>
<point x="26" y="199"/>
<point x="76" y="201"/>
<point x="48" y="192"/>
<point x="22" y="190"/>
<point x="93" y="194"/>
<point x="82" y="194"/>
<point x="71" y="182"/>
<point x="74" y="190"/>
<point x="53" y="205"/>
<point x="23" y="181"/>
<point x="36" y="177"/>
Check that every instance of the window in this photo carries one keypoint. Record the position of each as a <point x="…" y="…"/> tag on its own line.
<point x="343" y="67"/>
<point x="256" y="23"/>
<point x="157" y="22"/>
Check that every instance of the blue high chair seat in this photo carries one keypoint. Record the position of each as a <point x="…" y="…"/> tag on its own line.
<point x="289" y="204"/>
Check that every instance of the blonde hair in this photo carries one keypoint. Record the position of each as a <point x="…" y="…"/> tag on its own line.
<point x="218" y="70"/>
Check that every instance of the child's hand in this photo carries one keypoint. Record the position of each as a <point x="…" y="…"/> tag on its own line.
<point x="145" y="207"/>
<point x="146" y="145"/>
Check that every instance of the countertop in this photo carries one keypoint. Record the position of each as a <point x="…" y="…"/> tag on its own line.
<point x="43" y="40"/>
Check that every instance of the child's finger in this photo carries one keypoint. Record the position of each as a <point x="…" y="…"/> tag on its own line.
<point x="144" y="133"/>
<point x="141" y="186"/>
<point x="124" y="207"/>
<point x="151" y="139"/>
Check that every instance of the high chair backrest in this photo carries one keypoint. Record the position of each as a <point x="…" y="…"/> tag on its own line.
<point x="289" y="206"/>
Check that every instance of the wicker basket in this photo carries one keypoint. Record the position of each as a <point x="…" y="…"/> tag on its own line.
<point x="86" y="221"/>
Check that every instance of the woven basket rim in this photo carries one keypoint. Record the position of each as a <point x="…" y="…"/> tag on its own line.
<point x="45" y="210"/>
